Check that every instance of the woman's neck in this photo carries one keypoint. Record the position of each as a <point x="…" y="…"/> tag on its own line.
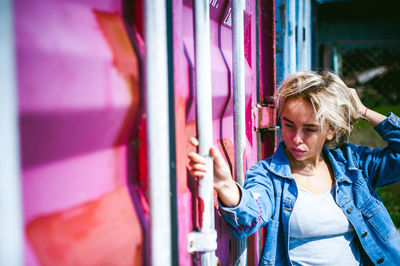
<point x="305" y="167"/>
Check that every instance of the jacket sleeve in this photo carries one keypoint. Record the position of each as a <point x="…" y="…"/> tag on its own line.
<point x="383" y="165"/>
<point x="255" y="206"/>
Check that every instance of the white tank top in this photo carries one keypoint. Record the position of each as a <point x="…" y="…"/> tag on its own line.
<point x="319" y="232"/>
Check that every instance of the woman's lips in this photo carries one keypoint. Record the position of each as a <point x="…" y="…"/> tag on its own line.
<point x="297" y="151"/>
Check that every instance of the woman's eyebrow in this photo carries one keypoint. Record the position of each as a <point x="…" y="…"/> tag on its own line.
<point x="307" y="125"/>
<point x="311" y="125"/>
<point x="287" y="120"/>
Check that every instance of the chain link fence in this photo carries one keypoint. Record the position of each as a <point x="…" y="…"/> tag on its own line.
<point x="372" y="68"/>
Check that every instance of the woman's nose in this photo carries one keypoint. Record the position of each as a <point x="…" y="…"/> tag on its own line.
<point x="297" y="138"/>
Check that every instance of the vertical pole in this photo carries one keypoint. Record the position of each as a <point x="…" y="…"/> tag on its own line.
<point x="11" y="225"/>
<point x="172" y="137"/>
<point x="288" y="33"/>
<point x="158" y="130"/>
<point x="300" y="38"/>
<point x="308" y="32"/>
<point x="292" y="60"/>
<point x="281" y="39"/>
<point x="204" y="118"/>
<point x="239" y="107"/>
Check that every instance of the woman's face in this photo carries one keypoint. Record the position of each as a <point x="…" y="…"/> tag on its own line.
<point x="301" y="132"/>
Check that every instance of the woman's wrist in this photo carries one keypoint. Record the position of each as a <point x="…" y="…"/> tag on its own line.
<point x="228" y="193"/>
<point x="362" y="110"/>
<point x="374" y="118"/>
<point x="364" y="114"/>
<point x="224" y="185"/>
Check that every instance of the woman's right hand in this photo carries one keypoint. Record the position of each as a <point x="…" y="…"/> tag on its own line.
<point x="226" y="188"/>
<point x="197" y="165"/>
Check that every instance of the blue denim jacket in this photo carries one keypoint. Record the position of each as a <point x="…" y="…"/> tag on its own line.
<point x="270" y="192"/>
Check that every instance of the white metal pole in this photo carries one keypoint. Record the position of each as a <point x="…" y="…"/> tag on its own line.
<point x="308" y="32"/>
<point x="158" y="130"/>
<point x="300" y="43"/>
<point x="239" y="107"/>
<point x="292" y="36"/>
<point x="11" y="224"/>
<point x="204" y="120"/>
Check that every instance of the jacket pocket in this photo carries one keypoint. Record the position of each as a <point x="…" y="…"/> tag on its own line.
<point x="379" y="219"/>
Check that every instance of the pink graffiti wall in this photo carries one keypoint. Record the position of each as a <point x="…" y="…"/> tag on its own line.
<point x="78" y="87"/>
<point x="83" y="126"/>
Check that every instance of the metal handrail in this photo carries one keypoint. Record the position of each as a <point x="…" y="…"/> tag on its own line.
<point x="239" y="108"/>
<point x="158" y="130"/>
<point x="11" y="221"/>
<point x="207" y="232"/>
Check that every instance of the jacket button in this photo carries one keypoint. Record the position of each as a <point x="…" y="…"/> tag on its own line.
<point x="395" y="119"/>
<point x="349" y="210"/>
<point x="364" y="234"/>
<point x="380" y="261"/>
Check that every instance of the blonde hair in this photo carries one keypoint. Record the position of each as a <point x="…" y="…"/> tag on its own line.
<point x="331" y="99"/>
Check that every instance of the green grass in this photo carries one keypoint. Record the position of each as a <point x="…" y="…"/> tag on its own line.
<point x="364" y="134"/>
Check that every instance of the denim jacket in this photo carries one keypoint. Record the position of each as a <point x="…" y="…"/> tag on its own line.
<point x="270" y="192"/>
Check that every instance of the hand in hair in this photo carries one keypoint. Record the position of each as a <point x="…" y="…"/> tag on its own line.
<point x="371" y="116"/>
<point x="360" y="106"/>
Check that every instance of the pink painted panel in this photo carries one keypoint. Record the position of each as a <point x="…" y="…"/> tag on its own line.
<point x="83" y="129"/>
<point x="185" y="110"/>
<point x="78" y="89"/>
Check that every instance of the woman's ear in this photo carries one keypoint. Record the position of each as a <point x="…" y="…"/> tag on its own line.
<point x="330" y="134"/>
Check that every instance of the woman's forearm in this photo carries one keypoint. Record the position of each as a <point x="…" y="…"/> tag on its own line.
<point x="374" y="118"/>
<point x="228" y="193"/>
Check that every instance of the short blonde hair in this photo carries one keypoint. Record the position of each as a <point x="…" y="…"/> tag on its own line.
<point x="331" y="99"/>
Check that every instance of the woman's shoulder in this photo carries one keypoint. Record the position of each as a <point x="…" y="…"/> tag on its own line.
<point x="264" y="173"/>
<point x="262" y="165"/>
<point x="273" y="167"/>
<point x="349" y="153"/>
<point x="348" y="148"/>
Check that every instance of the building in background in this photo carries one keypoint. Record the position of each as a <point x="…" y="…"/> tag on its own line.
<point x="360" y="40"/>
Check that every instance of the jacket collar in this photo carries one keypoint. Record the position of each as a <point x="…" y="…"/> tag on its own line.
<point x="280" y="164"/>
<point x="339" y="168"/>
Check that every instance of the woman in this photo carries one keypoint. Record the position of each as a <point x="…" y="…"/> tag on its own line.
<point x="319" y="205"/>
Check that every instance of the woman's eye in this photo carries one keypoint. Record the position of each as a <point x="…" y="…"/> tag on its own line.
<point x="289" y="125"/>
<point x="311" y="130"/>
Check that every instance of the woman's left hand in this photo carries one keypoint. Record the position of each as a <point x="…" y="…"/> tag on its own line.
<point x="371" y="116"/>
<point x="360" y="106"/>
